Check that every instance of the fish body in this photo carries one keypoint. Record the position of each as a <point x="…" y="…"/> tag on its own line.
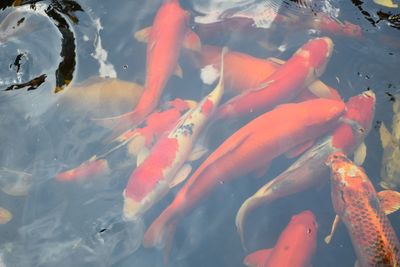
<point x="151" y="180"/>
<point x="169" y="28"/>
<point x="303" y="68"/>
<point x="390" y="170"/>
<point x="141" y="138"/>
<point x="310" y="169"/>
<point x="295" y="247"/>
<point x="248" y="150"/>
<point x="356" y="203"/>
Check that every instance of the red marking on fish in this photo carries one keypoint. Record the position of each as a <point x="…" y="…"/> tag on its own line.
<point x="139" y="185"/>
<point x="89" y="168"/>
<point x="207" y="107"/>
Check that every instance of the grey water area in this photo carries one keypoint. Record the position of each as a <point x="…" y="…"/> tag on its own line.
<point x="80" y="223"/>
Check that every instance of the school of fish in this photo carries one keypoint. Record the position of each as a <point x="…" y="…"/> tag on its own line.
<point x="282" y="109"/>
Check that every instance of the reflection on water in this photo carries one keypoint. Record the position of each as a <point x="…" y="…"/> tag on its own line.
<point x="68" y="67"/>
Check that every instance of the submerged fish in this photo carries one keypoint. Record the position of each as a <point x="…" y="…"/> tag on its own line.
<point x="356" y="203"/>
<point x="165" y="166"/>
<point x="310" y="169"/>
<point x="390" y="170"/>
<point x="169" y="28"/>
<point x="303" y="68"/>
<point x="138" y="140"/>
<point x="295" y="247"/>
<point x="15" y="183"/>
<point x="249" y="150"/>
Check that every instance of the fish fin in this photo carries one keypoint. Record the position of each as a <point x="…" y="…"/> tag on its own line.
<point x="198" y="152"/>
<point x="5" y="216"/>
<point x="137" y="144"/>
<point x="360" y="154"/>
<point x="181" y="176"/>
<point x="389" y="200"/>
<point x="178" y="71"/>
<point x="260" y="173"/>
<point x="320" y="89"/>
<point x="277" y="60"/>
<point x="86" y="169"/>
<point x="299" y="149"/>
<point x="386" y="3"/>
<point x="257" y="258"/>
<point x="335" y="223"/>
<point x="386" y="137"/>
<point x="142" y="155"/>
<point x="192" y="41"/>
<point x="143" y="35"/>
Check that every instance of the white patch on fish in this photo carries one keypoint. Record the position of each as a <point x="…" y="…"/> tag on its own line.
<point x="209" y="74"/>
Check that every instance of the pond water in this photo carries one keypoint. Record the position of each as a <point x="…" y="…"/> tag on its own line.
<point x="51" y="51"/>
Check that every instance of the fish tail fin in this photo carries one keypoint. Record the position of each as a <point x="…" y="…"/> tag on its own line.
<point x="161" y="232"/>
<point x="247" y="206"/>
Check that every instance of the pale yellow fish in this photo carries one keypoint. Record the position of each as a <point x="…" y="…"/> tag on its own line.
<point x="386" y="3"/>
<point x="102" y="97"/>
<point x="390" y="169"/>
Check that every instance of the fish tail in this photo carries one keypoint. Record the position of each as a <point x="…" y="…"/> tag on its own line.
<point x="247" y="206"/>
<point x="161" y="232"/>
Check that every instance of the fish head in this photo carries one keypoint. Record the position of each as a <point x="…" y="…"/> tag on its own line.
<point x="317" y="53"/>
<point x="361" y="109"/>
<point x="348" y="181"/>
<point x="307" y="220"/>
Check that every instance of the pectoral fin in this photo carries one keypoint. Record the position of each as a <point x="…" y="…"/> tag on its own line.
<point x="181" y="176"/>
<point x="390" y="201"/>
<point x="276" y="60"/>
<point x="197" y="152"/>
<point x="319" y="89"/>
<point x="386" y="137"/>
<point x="143" y="35"/>
<point x="258" y="258"/>
<point x="298" y="150"/>
<point x="335" y="223"/>
<point x="360" y="154"/>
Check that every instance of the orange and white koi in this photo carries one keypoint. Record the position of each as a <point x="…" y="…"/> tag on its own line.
<point x="170" y="26"/>
<point x="309" y="169"/>
<point x="356" y="203"/>
<point x="138" y="140"/>
<point x="303" y="68"/>
<point x="164" y="166"/>
<point x="249" y="150"/>
<point x="295" y="247"/>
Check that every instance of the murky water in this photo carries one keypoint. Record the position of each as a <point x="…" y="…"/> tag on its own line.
<point x="50" y="48"/>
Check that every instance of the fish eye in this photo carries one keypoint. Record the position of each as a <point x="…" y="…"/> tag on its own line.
<point x="309" y="231"/>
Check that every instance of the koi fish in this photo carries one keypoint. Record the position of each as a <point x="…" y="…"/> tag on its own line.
<point x="138" y="140"/>
<point x="170" y="26"/>
<point x="331" y="25"/>
<point x="249" y="150"/>
<point x="164" y="167"/>
<point x="390" y="170"/>
<point x="356" y="203"/>
<point x="310" y="169"/>
<point x="305" y="66"/>
<point x="14" y="182"/>
<point x="295" y="247"/>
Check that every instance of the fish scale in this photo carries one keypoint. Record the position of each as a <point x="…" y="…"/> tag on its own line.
<point x="356" y="202"/>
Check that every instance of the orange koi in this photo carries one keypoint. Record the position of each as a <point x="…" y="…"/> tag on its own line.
<point x="164" y="167"/>
<point x="310" y="169"/>
<point x="170" y="26"/>
<point x="249" y="150"/>
<point x="356" y="203"/>
<point x="306" y="65"/>
<point x="295" y="247"/>
<point x="138" y="140"/>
